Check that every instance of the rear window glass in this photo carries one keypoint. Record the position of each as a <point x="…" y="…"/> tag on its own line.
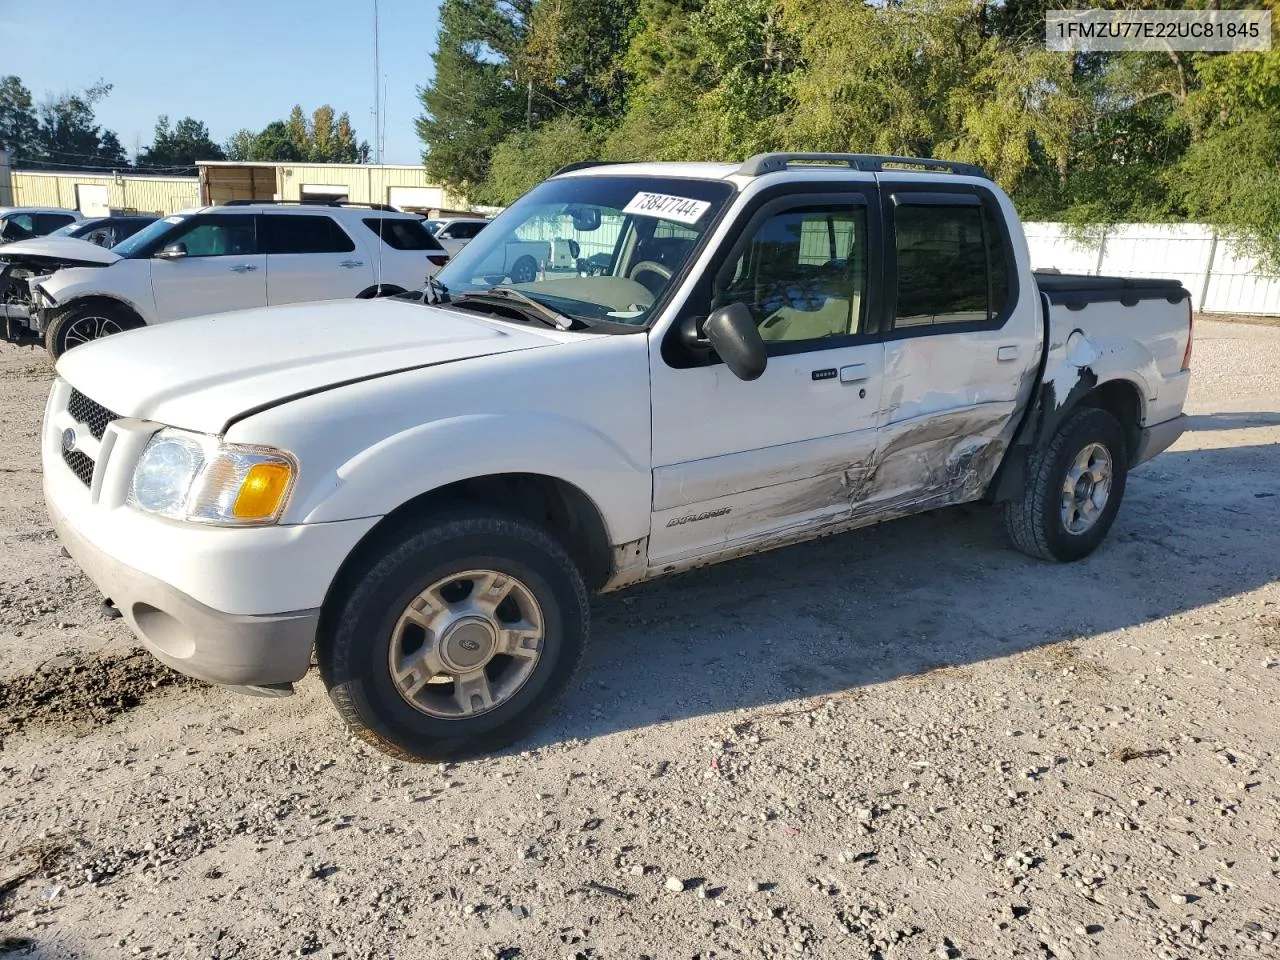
<point x="403" y="234"/>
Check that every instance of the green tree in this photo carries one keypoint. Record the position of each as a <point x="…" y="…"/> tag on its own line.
<point x="68" y="133"/>
<point x="299" y="131"/>
<point x="239" y="145"/>
<point x="1230" y="175"/>
<point x="528" y="157"/>
<point x="180" y="146"/>
<point x="477" y="96"/>
<point x="18" y="124"/>
<point x="345" y="147"/>
<point x="572" y="53"/>
<point x="273" y="143"/>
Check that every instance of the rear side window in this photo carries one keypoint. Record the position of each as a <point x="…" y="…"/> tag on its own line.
<point x="465" y="231"/>
<point x="403" y="234"/>
<point x="951" y="266"/>
<point x="296" y="233"/>
<point x="49" y="222"/>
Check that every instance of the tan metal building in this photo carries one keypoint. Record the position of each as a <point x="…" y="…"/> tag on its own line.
<point x="405" y="186"/>
<point x="97" y="194"/>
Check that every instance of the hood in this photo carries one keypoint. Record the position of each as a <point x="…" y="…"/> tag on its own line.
<point x="67" y="251"/>
<point x="203" y="373"/>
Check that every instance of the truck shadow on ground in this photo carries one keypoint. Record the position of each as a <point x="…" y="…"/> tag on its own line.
<point x="1232" y="421"/>
<point x="942" y="589"/>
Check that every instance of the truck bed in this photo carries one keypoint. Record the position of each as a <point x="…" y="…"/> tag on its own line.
<point x="1075" y="290"/>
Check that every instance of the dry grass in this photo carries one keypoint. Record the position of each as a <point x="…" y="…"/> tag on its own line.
<point x="1065" y="658"/>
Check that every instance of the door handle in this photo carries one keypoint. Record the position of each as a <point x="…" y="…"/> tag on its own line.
<point x="854" y="373"/>
<point x="243" y="268"/>
<point x="1007" y="352"/>
<point x="351" y="263"/>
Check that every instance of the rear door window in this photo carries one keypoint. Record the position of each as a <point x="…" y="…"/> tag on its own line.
<point x="951" y="266"/>
<point x="402" y="234"/>
<point x="298" y="233"/>
<point x="48" y="222"/>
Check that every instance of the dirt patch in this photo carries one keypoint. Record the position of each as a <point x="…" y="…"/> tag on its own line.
<point x="81" y="692"/>
<point x="1064" y="658"/>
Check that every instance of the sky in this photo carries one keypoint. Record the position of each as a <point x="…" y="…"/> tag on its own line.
<point x="230" y="63"/>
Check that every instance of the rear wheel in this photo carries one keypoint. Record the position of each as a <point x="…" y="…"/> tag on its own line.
<point x="1073" y="491"/>
<point x="80" y="323"/>
<point x="524" y="270"/>
<point x="458" y="639"/>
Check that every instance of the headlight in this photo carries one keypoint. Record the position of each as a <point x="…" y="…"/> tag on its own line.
<point x="191" y="476"/>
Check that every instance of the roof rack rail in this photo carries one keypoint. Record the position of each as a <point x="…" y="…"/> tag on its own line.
<point x="763" y="163"/>
<point x="583" y="164"/>
<point x="310" y="203"/>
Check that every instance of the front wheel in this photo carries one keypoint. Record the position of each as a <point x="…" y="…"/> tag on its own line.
<point x="1073" y="491"/>
<point x="80" y="323"/>
<point x="460" y="637"/>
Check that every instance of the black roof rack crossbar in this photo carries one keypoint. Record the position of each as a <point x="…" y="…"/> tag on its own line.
<point x="583" y="164"/>
<point x="763" y="163"/>
<point x="310" y="203"/>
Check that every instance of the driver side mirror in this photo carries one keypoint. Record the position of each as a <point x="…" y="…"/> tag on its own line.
<point x="732" y="333"/>
<point x="174" y="251"/>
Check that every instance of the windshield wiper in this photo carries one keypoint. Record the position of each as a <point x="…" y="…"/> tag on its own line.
<point x="541" y="310"/>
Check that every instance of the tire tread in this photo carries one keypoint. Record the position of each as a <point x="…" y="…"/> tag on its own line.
<point x="1027" y="517"/>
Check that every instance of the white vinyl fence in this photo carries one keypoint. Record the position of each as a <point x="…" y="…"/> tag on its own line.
<point x="1220" y="278"/>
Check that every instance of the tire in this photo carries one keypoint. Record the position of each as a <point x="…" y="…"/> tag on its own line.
<point x="79" y="323"/>
<point x="1040" y="522"/>
<point x="372" y="623"/>
<point x="524" y="270"/>
<point x="378" y="292"/>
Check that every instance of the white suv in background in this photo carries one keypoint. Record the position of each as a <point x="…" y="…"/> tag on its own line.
<point x="456" y="233"/>
<point x="231" y="257"/>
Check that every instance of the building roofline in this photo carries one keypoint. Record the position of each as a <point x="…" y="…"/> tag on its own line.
<point x="105" y="174"/>
<point x="275" y="164"/>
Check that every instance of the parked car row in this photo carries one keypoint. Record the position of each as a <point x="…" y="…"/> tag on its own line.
<point x="212" y="260"/>
<point x="421" y="495"/>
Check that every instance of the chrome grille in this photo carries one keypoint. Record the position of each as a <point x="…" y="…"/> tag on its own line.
<point x="80" y="465"/>
<point x="92" y="414"/>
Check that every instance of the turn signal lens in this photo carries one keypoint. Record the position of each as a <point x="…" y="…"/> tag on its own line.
<point x="262" y="491"/>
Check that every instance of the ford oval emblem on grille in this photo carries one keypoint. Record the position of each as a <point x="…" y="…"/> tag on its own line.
<point x="69" y="439"/>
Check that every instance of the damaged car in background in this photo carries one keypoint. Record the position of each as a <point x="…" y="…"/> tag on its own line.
<point x="215" y="259"/>
<point x="24" y="264"/>
<point x="422" y="493"/>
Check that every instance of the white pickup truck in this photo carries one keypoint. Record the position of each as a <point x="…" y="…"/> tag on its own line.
<point x="422" y="493"/>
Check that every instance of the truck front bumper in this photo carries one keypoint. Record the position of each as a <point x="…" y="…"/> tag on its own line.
<point x="225" y="648"/>
<point x="229" y="606"/>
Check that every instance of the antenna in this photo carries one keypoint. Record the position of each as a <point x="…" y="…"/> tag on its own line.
<point x="377" y="90"/>
<point x="382" y="133"/>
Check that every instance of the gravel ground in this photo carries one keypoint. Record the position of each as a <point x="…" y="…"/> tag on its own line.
<point x="908" y="742"/>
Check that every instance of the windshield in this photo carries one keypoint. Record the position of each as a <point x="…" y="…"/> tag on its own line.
<point x="75" y="229"/>
<point x="140" y="240"/>
<point x="595" y="248"/>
